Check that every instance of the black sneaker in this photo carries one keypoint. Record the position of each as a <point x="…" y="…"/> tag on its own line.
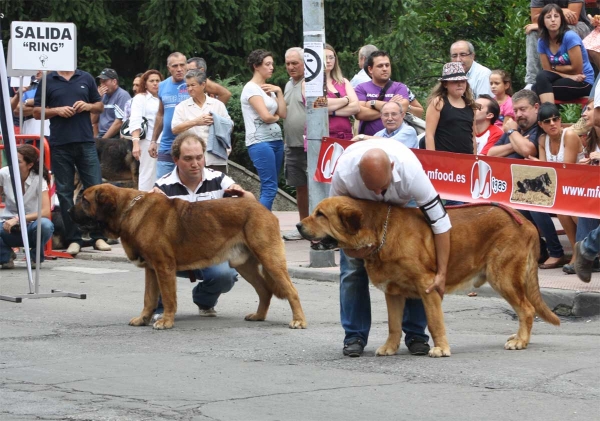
<point x="418" y="346"/>
<point x="354" y="347"/>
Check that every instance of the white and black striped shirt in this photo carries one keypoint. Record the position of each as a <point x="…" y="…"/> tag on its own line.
<point x="213" y="185"/>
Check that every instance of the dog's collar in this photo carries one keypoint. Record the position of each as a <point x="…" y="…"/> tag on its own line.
<point x="135" y="199"/>
<point x="131" y="204"/>
<point x="385" y="225"/>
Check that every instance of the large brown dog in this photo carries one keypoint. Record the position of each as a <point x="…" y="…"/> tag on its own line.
<point x="165" y="235"/>
<point x="487" y="244"/>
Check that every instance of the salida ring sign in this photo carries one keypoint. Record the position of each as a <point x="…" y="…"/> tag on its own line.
<point x="44" y="46"/>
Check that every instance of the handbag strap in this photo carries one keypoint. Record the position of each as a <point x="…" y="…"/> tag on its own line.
<point x="384" y="90"/>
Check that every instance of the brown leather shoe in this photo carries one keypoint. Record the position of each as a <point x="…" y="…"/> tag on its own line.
<point x="564" y="259"/>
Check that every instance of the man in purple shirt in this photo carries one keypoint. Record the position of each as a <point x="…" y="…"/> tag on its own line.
<point x="372" y="97"/>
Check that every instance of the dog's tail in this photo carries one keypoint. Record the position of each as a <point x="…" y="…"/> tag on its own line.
<point x="532" y="286"/>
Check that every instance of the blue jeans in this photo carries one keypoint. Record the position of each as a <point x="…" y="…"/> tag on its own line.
<point x="216" y="280"/>
<point x="544" y="223"/>
<point x="355" y="305"/>
<point x="585" y="226"/>
<point x="7" y="240"/>
<point x="164" y="168"/>
<point x="65" y="159"/>
<point x="591" y="244"/>
<point x="267" y="158"/>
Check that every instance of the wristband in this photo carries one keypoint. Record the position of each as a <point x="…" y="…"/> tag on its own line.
<point x="135" y="138"/>
<point x="347" y="99"/>
<point x="153" y="141"/>
<point x="333" y="114"/>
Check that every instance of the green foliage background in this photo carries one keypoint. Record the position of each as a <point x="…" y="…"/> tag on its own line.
<point x="136" y="35"/>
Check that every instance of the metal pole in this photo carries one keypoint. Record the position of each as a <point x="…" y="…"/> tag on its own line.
<point x="21" y="103"/>
<point x="317" y="119"/>
<point x="38" y="235"/>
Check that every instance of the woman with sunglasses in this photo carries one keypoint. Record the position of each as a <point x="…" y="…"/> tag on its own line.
<point x="558" y="144"/>
<point x="567" y="73"/>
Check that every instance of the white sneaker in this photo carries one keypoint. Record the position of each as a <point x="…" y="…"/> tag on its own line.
<point x="102" y="246"/>
<point x="292" y="235"/>
<point x="528" y="86"/>
<point x="207" y="312"/>
<point x="74" y="249"/>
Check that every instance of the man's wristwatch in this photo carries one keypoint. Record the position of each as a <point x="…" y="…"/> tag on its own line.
<point x="511" y="131"/>
<point x="373" y="102"/>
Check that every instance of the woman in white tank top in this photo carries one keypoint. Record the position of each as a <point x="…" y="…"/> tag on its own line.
<point x="559" y="145"/>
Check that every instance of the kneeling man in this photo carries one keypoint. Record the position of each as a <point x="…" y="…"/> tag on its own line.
<point x="385" y="170"/>
<point x="191" y="181"/>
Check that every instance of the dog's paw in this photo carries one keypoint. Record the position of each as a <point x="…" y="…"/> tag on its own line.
<point x="514" y="342"/>
<point x="139" y="321"/>
<point x="437" y="352"/>
<point x="298" y="324"/>
<point x="386" y="350"/>
<point x="163" y="324"/>
<point x="254" y="317"/>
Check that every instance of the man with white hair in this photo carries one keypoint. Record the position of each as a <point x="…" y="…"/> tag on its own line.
<point x="479" y="76"/>
<point x="293" y="127"/>
<point x="394" y="126"/>
<point x="362" y="76"/>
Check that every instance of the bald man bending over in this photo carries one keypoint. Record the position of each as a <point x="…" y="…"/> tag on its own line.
<point x="387" y="172"/>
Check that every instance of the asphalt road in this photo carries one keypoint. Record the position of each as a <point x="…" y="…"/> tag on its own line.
<point x="65" y="358"/>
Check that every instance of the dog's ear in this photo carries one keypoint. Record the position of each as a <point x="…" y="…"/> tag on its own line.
<point x="351" y="218"/>
<point x="105" y="204"/>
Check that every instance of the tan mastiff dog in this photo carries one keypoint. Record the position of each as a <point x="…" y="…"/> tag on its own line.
<point x="165" y="235"/>
<point x="488" y="243"/>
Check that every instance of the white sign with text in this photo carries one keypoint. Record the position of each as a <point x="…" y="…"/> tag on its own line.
<point x="43" y="46"/>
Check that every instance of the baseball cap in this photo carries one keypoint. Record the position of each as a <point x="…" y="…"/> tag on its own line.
<point x="108" y="74"/>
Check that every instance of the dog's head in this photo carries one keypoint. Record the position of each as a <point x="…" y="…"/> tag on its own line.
<point x="546" y="179"/>
<point x="96" y="208"/>
<point x="335" y="221"/>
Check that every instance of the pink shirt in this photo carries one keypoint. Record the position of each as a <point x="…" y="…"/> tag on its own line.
<point x="506" y="110"/>
<point x="339" y="127"/>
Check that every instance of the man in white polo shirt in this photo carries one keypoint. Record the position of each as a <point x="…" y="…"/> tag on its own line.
<point x="384" y="170"/>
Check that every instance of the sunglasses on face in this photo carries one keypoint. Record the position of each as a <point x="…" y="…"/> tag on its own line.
<point x="551" y="120"/>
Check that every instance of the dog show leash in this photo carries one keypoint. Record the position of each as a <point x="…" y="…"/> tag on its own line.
<point x="502" y="206"/>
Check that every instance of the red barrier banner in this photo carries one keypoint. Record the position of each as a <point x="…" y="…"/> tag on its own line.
<point x="550" y="187"/>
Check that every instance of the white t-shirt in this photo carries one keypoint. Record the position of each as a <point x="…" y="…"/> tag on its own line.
<point x="409" y="180"/>
<point x="29" y="197"/>
<point x="257" y="130"/>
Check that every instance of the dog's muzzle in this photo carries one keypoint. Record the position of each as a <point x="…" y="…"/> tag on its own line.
<point x="85" y="222"/>
<point x="327" y="243"/>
